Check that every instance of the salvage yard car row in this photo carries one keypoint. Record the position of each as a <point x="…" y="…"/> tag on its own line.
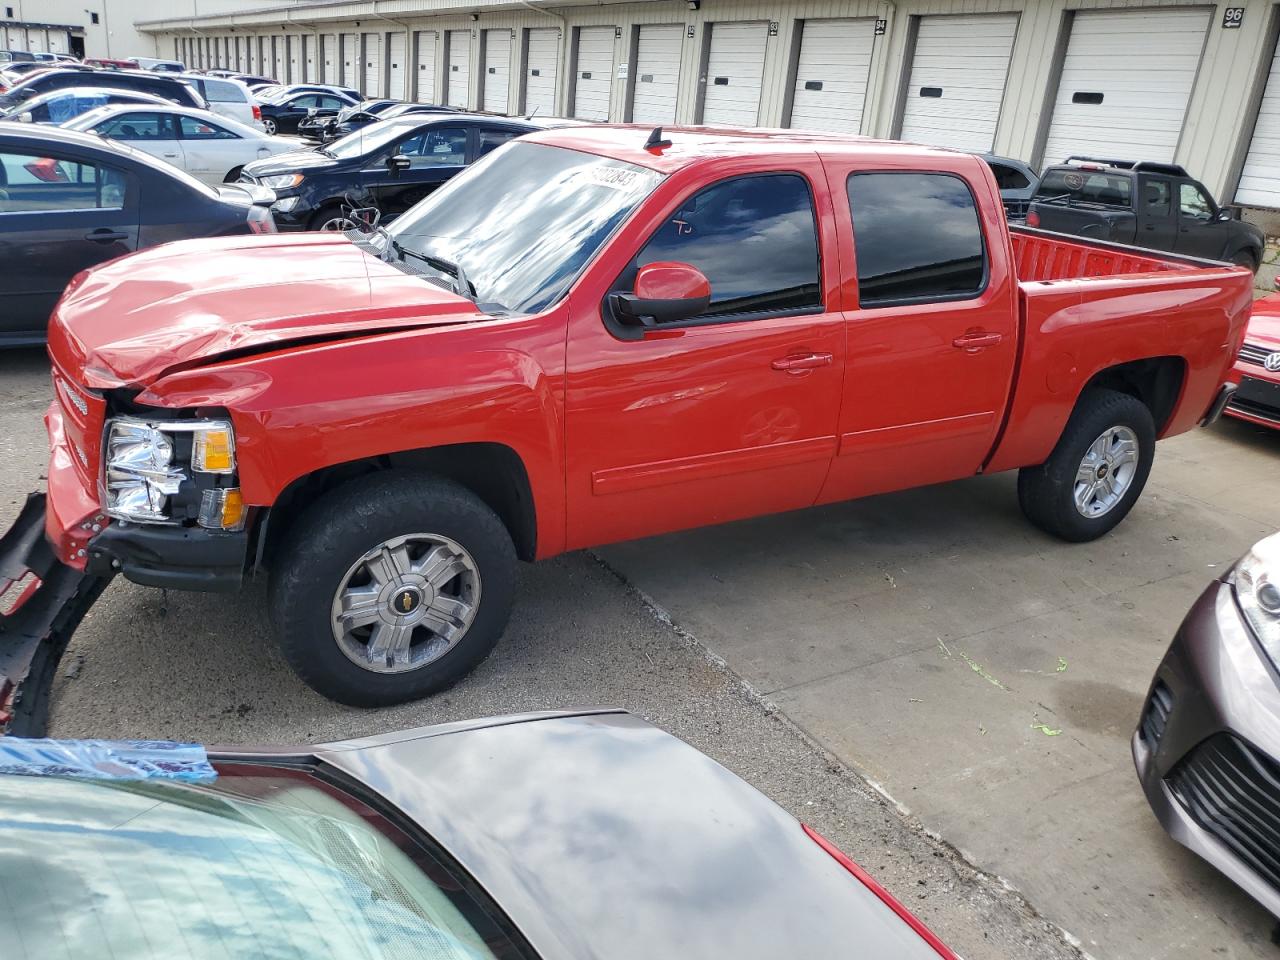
<point x="594" y="334"/>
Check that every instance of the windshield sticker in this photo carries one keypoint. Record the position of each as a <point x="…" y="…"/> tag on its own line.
<point x="616" y="178"/>
<point x="1074" y="181"/>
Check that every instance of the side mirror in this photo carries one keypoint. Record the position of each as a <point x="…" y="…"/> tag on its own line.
<point x="26" y="117"/>
<point x="1224" y="215"/>
<point x="665" y="292"/>
<point x="398" y="163"/>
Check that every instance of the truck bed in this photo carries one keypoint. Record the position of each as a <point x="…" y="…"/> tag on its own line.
<point x="1041" y="255"/>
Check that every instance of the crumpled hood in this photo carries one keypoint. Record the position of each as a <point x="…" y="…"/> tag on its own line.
<point x="1264" y="324"/>
<point x="180" y="304"/>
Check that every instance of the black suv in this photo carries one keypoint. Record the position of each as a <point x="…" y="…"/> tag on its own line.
<point x="1145" y="204"/>
<point x="179" y="91"/>
<point x="392" y="164"/>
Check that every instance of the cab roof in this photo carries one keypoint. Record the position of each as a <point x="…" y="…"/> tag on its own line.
<point x="690" y="145"/>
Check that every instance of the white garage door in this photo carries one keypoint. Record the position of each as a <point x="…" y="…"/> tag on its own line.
<point x="329" y="59"/>
<point x="397" y="57"/>
<point x="1125" y="84"/>
<point x="593" y="76"/>
<point x="309" y="59"/>
<point x="657" y="74"/>
<point x="457" y="80"/>
<point x="1260" y="179"/>
<point x="735" y="69"/>
<point x="957" y="81"/>
<point x="279" y="60"/>
<point x="497" y="69"/>
<point x="350" y="59"/>
<point x="373" y="64"/>
<point x="297" y="59"/>
<point x="15" y="38"/>
<point x="425" y="89"/>
<point x="831" y="75"/>
<point x="541" y="71"/>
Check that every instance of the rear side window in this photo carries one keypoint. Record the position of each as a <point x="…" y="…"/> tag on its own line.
<point x="916" y="238"/>
<point x="197" y="129"/>
<point x="491" y="139"/>
<point x="1009" y="178"/>
<point x="756" y="240"/>
<point x="1155" y="198"/>
<point x="31" y="183"/>
<point x="219" y="91"/>
<point x="1082" y="186"/>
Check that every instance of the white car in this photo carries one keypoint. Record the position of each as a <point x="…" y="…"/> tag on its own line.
<point x="227" y="97"/>
<point x="209" y="147"/>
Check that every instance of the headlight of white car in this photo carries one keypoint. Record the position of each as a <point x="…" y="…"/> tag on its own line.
<point x="1257" y="582"/>
<point x="147" y="463"/>
<point x="281" y="181"/>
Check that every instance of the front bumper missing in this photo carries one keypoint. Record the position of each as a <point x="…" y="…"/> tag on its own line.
<point x="42" y="601"/>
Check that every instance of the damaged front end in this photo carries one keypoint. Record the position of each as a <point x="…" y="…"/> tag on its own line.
<point x="42" y="601"/>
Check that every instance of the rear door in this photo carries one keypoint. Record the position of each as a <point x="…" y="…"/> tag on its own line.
<point x="60" y="212"/>
<point x="1200" y="234"/>
<point x="728" y="415"/>
<point x="932" y="329"/>
<point x="1157" y="225"/>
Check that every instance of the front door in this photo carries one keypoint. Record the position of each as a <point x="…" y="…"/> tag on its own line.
<point x="434" y="153"/>
<point x="59" y="214"/>
<point x="933" y="337"/>
<point x="212" y="151"/>
<point x="730" y="414"/>
<point x="1200" y="234"/>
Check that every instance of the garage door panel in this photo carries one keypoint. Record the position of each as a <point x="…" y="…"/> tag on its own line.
<point x="657" y="73"/>
<point x="734" y="73"/>
<point x="542" y="71"/>
<point x="497" y="69"/>
<point x="372" y="65"/>
<point x="397" y="57"/>
<point x="959" y="68"/>
<point x="458" y="76"/>
<point x="425" y="67"/>
<point x="1260" y="177"/>
<point x="350" y="59"/>
<point x="1144" y="65"/>
<point x="593" y="79"/>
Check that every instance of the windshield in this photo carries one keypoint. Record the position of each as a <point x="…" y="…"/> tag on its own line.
<point x="260" y="863"/>
<point x="1082" y="186"/>
<point x="525" y="220"/>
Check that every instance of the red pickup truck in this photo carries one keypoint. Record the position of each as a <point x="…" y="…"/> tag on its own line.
<point x="593" y="335"/>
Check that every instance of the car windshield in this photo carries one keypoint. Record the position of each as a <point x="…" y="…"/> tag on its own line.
<point x="523" y="222"/>
<point x="1074" y="185"/>
<point x="263" y="862"/>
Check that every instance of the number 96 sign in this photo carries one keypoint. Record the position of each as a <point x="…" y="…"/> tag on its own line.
<point x="1232" y="17"/>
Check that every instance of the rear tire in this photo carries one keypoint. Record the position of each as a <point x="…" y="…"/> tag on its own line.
<point x="1097" y="470"/>
<point x="269" y="127"/>
<point x="392" y="587"/>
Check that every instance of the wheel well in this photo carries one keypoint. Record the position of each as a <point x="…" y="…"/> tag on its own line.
<point x="1156" y="381"/>
<point x="492" y="471"/>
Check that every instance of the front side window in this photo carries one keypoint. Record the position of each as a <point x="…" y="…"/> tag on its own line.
<point x="755" y="239"/>
<point x="435" y="147"/>
<point x="916" y="238"/>
<point x="1192" y="202"/>
<point x="31" y="183"/>
<point x="137" y="126"/>
<point x="196" y="129"/>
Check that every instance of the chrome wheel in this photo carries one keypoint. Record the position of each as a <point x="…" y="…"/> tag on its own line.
<point x="1106" y="472"/>
<point x="339" y="224"/>
<point x="406" y="603"/>
<point x="269" y="127"/>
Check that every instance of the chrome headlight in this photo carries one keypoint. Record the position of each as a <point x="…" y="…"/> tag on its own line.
<point x="146" y="462"/>
<point x="1257" y="582"/>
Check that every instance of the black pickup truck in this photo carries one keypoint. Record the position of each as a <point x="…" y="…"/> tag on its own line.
<point x="1145" y="204"/>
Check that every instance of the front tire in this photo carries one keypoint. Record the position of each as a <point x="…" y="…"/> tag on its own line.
<point x="392" y="587"/>
<point x="1097" y="470"/>
<point x="1245" y="258"/>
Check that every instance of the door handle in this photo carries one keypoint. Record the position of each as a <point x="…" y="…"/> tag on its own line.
<point x="800" y="362"/>
<point x="975" y="340"/>
<point x="170" y="156"/>
<point x="104" y="235"/>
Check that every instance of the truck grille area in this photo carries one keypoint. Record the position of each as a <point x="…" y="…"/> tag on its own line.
<point x="1233" y="791"/>
<point x="1252" y="353"/>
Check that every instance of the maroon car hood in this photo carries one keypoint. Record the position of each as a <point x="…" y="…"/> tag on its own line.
<point x="182" y="304"/>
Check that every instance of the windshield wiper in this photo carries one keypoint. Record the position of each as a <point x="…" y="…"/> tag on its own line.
<point x="462" y="286"/>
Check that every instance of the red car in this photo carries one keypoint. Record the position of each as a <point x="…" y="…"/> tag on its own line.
<point x="1257" y="369"/>
<point x="111" y="64"/>
<point x="596" y="334"/>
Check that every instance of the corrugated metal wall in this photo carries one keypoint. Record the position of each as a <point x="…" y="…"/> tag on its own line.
<point x="1214" y="139"/>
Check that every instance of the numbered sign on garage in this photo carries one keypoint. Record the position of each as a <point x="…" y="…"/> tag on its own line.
<point x="656" y="73"/>
<point x="542" y="61"/>
<point x="1260" y="178"/>
<point x="424" y="90"/>
<point x="593" y="73"/>
<point x="1125" y="83"/>
<point x="373" y="64"/>
<point x="350" y="59"/>
<point x="397" y="61"/>
<point x="734" y="73"/>
<point x="831" y="75"/>
<point x="496" y="73"/>
<point x="457" y="78"/>
<point x="959" y="67"/>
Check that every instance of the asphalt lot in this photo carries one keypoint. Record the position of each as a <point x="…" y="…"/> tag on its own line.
<point x="857" y="629"/>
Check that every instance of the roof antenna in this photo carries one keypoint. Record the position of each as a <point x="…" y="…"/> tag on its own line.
<point x="656" y="140"/>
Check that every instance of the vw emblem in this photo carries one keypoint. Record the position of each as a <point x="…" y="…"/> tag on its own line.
<point x="1272" y="362"/>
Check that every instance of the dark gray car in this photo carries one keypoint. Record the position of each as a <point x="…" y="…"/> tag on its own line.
<point x="1207" y="747"/>
<point x="569" y="836"/>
